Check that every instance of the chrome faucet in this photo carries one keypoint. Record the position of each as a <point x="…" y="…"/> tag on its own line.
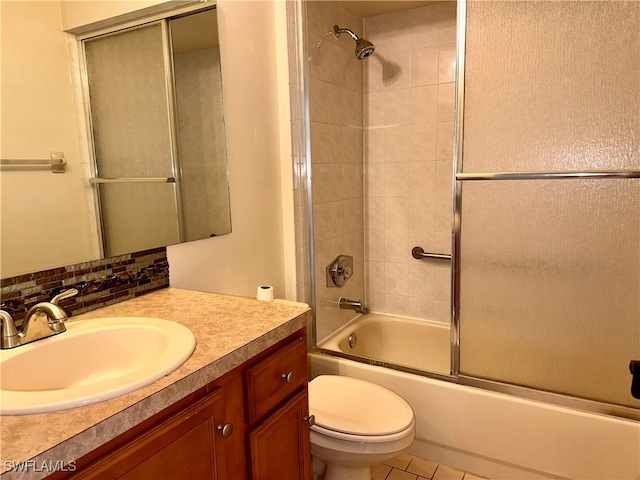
<point x="355" y="305"/>
<point x="42" y="320"/>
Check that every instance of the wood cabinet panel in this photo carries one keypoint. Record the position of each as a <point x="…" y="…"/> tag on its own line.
<point x="280" y="447"/>
<point x="275" y="378"/>
<point x="186" y="446"/>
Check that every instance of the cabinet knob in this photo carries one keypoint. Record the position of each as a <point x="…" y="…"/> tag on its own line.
<point x="311" y="420"/>
<point x="226" y="430"/>
<point x="288" y="377"/>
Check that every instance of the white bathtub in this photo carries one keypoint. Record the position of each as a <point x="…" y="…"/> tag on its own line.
<point x="491" y="434"/>
<point x="418" y="344"/>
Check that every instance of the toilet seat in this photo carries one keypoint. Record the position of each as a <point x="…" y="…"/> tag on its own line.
<point x="364" y="439"/>
<point x="347" y="408"/>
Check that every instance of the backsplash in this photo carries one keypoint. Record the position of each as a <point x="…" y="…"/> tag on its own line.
<point x="99" y="283"/>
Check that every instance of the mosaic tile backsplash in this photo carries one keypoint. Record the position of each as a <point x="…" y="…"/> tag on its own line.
<point x="99" y="283"/>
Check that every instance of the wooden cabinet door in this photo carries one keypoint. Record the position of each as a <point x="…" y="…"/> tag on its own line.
<point x="187" y="446"/>
<point x="280" y="447"/>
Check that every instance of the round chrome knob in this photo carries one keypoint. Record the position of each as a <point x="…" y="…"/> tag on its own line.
<point x="226" y="430"/>
<point x="311" y="420"/>
<point x="288" y="377"/>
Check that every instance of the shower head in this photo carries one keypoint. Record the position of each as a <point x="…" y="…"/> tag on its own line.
<point x="364" y="48"/>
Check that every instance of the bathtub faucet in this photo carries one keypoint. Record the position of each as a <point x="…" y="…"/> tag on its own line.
<point x="355" y="305"/>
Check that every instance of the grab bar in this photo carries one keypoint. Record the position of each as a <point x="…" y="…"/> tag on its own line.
<point x="56" y="161"/>
<point x="133" y="180"/>
<point x="419" y="253"/>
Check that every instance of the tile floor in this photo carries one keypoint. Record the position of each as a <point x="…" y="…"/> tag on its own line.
<point x="407" y="467"/>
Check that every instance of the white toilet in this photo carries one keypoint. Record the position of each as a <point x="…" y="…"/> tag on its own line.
<point x="357" y="424"/>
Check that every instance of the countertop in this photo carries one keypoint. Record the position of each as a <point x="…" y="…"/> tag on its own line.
<point x="229" y="330"/>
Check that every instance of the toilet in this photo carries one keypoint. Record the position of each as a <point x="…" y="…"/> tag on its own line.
<point x="357" y="424"/>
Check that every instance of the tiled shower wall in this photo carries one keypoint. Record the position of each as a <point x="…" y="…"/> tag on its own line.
<point x="205" y="195"/>
<point x="409" y="114"/>
<point x="335" y="103"/>
<point x="393" y="115"/>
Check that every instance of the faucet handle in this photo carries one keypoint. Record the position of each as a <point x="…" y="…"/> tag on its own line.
<point x="63" y="295"/>
<point x="8" y="331"/>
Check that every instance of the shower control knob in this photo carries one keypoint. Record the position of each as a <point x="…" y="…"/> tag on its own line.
<point x="225" y="430"/>
<point x="288" y="377"/>
<point x="311" y="420"/>
<point x="339" y="271"/>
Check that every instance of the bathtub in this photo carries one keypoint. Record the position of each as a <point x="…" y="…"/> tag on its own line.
<point x="491" y="434"/>
<point x="418" y="344"/>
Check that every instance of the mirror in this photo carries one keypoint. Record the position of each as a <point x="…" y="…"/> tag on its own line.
<point x="113" y="203"/>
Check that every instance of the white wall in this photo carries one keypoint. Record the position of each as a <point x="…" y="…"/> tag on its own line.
<point x="253" y="253"/>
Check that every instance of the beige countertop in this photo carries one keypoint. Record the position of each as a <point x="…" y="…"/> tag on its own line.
<point x="229" y="330"/>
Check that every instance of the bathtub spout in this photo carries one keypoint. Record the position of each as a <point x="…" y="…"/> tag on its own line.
<point x="355" y="305"/>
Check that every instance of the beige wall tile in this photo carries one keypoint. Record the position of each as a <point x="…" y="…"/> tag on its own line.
<point x="446" y="101"/>
<point x="422" y="215"/>
<point x="426" y="37"/>
<point x="408" y="145"/>
<point x="397" y="107"/>
<point x="447" y="63"/>
<point x="396" y="278"/>
<point x="420" y="280"/>
<point x="396" y="214"/>
<point x="425" y="106"/>
<point x="396" y="179"/>
<point x="445" y="139"/>
<point x="374" y="109"/>
<point x="425" y="66"/>
<point x="396" y="247"/>
<point x="422" y="178"/>
<point x="374" y="145"/>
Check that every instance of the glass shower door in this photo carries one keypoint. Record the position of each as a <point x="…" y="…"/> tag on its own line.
<point x="549" y="198"/>
<point x="550" y="285"/>
<point x="132" y="136"/>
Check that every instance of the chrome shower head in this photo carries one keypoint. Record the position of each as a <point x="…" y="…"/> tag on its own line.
<point x="364" y="48"/>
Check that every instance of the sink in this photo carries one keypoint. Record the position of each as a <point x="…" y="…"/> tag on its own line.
<point x="94" y="360"/>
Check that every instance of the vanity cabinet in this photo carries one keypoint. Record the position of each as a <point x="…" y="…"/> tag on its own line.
<point x="187" y="445"/>
<point x="279" y="444"/>
<point x="251" y="423"/>
<point x="279" y="447"/>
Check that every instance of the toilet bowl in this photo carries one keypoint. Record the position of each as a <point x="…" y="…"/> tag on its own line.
<point x="357" y="424"/>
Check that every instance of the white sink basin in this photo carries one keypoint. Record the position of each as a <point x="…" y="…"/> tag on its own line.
<point x="94" y="360"/>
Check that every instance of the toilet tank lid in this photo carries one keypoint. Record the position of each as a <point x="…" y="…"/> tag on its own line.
<point x="357" y="407"/>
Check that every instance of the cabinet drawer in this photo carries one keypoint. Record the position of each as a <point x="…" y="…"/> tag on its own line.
<point x="275" y="378"/>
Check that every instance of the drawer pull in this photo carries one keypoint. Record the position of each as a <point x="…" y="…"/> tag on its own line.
<point x="311" y="420"/>
<point x="288" y="377"/>
<point x="226" y="430"/>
